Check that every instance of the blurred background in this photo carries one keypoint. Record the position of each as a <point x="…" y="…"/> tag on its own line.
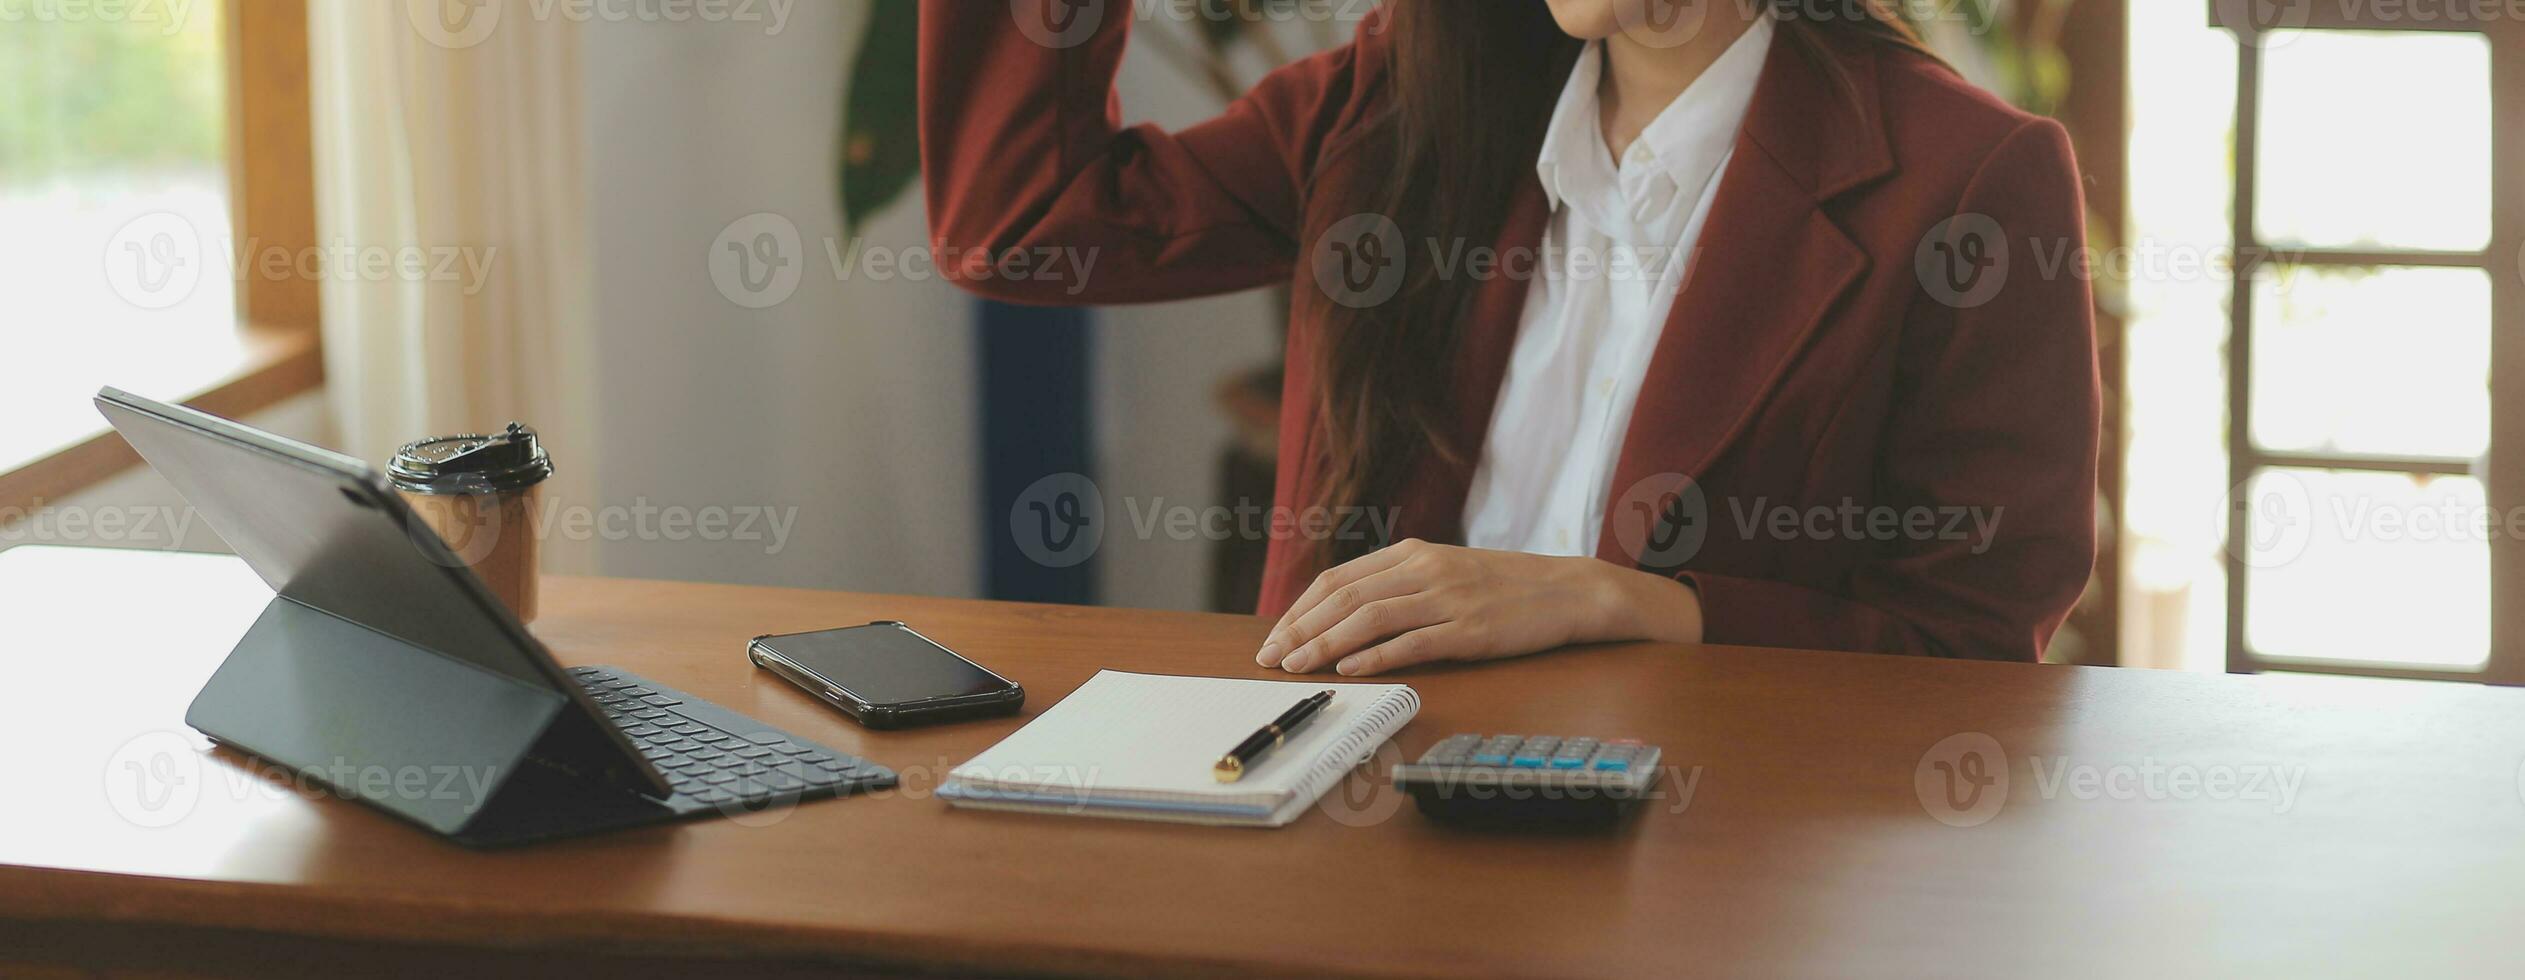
<point x="684" y="241"/>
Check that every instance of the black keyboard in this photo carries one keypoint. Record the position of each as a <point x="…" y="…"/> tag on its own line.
<point x="715" y="757"/>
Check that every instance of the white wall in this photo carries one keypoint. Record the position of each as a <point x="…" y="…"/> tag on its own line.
<point x="850" y="402"/>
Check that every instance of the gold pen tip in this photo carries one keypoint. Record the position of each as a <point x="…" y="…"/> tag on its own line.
<point x="1228" y="770"/>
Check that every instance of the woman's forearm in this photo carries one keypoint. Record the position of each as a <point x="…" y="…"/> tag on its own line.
<point x="1644" y="606"/>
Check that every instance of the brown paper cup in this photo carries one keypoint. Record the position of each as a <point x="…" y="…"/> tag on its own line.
<point x="496" y="535"/>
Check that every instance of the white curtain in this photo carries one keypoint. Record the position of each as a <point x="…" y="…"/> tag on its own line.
<point x="450" y="197"/>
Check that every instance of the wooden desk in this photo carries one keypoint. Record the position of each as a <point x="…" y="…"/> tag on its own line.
<point x="1805" y="848"/>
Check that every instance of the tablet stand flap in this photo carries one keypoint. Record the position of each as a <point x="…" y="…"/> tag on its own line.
<point x="425" y="736"/>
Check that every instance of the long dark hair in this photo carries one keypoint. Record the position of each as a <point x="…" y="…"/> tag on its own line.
<point x="1472" y="90"/>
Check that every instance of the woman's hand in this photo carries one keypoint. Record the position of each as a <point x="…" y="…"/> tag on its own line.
<point x="1416" y="602"/>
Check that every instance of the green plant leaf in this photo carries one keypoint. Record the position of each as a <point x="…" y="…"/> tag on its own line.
<point x="881" y="147"/>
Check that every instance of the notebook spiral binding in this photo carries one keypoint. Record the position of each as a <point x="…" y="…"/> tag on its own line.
<point x="1372" y="728"/>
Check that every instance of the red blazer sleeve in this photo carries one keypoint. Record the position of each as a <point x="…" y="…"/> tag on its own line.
<point x="1996" y="408"/>
<point x="1022" y="149"/>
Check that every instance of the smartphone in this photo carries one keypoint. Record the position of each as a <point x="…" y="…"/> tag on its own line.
<point x="885" y="675"/>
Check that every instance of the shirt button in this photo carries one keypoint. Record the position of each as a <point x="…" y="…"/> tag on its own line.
<point x="1604" y="388"/>
<point x="1560" y="539"/>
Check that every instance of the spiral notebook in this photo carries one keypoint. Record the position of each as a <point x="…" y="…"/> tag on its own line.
<point x="1141" y="746"/>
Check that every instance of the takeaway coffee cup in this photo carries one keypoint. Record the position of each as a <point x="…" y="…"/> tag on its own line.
<point x="479" y="494"/>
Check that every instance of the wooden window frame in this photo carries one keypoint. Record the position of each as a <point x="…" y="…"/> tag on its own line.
<point x="2095" y="41"/>
<point x="2503" y="473"/>
<point x="271" y="173"/>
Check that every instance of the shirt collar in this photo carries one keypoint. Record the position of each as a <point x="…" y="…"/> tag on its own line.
<point x="1686" y="143"/>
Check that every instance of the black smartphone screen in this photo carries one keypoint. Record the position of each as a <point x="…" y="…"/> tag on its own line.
<point x="885" y="664"/>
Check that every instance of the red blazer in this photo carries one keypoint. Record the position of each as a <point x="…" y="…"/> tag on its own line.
<point x="1819" y="364"/>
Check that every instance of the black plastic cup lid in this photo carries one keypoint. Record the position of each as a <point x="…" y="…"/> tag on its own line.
<point x="509" y="461"/>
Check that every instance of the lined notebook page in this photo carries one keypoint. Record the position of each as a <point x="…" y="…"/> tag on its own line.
<point x="1154" y="735"/>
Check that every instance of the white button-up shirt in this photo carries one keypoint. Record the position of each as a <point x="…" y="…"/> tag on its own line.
<point x="1613" y="258"/>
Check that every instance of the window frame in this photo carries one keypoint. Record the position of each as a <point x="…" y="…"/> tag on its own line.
<point x="2502" y="469"/>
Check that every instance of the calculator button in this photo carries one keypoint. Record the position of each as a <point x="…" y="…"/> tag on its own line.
<point x="1527" y="762"/>
<point x="1613" y="765"/>
<point x="1567" y="762"/>
<point x="1489" y="759"/>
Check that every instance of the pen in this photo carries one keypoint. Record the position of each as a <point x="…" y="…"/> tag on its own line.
<point x="1231" y="766"/>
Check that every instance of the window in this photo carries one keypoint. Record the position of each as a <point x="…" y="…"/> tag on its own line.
<point x="2334" y="366"/>
<point x="139" y="142"/>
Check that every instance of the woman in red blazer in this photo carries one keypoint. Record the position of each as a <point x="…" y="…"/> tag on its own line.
<point x="1861" y="409"/>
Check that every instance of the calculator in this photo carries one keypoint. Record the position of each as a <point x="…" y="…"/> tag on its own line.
<point x="1530" y="782"/>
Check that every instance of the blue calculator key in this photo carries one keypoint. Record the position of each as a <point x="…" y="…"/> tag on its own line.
<point x="1567" y="762"/>
<point x="1616" y="765"/>
<point x="1527" y="762"/>
<point x="1489" y="759"/>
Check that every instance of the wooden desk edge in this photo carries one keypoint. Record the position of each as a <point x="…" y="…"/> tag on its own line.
<point x="38" y="896"/>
